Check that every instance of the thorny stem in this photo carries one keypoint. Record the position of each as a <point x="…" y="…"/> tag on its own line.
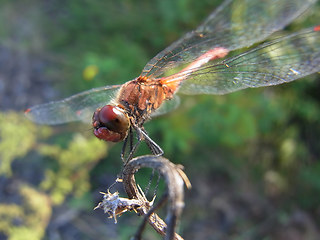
<point x="175" y="179"/>
<point x="138" y="234"/>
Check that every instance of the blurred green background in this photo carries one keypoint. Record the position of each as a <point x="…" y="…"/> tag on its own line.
<point x="253" y="157"/>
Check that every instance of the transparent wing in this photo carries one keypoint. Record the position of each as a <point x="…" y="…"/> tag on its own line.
<point x="77" y="107"/>
<point x="282" y="60"/>
<point x="167" y="106"/>
<point x="235" y="24"/>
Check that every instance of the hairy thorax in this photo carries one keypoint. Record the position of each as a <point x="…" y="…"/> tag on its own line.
<point x="141" y="96"/>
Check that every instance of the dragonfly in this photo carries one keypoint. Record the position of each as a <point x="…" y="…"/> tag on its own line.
<point x="201" y="62"/>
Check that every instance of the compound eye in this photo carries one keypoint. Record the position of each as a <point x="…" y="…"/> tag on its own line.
<point x="114" y="119"/>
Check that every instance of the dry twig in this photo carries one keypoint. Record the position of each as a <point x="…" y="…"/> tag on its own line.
<point x="175" y="180"/>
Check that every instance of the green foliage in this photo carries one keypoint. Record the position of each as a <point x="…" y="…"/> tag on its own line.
<point x="72" y="172"/>
<point x="17" y="137"/>
<point x="308" y="184"/>
<point x="69" y="175"/>
<point x="33" y="213"/>
<point x="259" y="144"/>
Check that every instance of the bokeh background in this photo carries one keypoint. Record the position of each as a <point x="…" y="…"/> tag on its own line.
<point x="253" y="157"/>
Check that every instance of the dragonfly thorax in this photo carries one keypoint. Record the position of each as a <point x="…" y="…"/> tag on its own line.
<point x="141" y="96"/>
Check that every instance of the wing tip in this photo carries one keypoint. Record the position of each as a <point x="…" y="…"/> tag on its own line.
<point x="29" y="115"/>
<point x="316" y="28"/>
<point x="32" y="116"/>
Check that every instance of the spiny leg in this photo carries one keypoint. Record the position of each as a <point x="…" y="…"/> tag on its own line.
<point x="133" y="148"/>
<point x="155" y="148"/>
<point x="141" y="135"/>
<point x="124" y="146"/>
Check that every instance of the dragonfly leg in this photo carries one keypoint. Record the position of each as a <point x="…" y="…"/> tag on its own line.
<point x="123" y="150"/>
<point x="141" y="135"/>
<point x="125" y="142"/>
<point x="155" y="148"/>
<point x="133" y="148"/>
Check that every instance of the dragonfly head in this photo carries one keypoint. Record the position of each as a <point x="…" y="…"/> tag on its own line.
<point x="110" y="123"/>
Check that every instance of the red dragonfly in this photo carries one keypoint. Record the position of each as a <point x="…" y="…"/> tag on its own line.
<point x="198" y="63"/>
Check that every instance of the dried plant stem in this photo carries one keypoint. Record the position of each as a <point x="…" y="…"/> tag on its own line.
<point x="174" y="178"/>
